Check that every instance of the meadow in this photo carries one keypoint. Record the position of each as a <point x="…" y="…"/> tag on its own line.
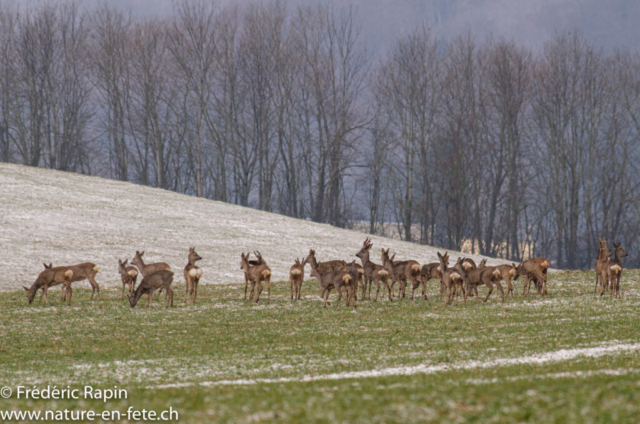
<point x="571" y="356"/>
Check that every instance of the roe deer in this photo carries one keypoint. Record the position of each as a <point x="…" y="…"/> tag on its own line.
<point x="129" y="276"/>
<point x="296" y="276"/>
<point x="192" y="275"/>
<point x="253" y="262"/>
<point x="612" y="272"/>
<point x="148" y="269"/>
<point x="64" y="275"/>
<point x="604" y="254"/>
<point x="483" y="275"/>
<point x="257" y="274"/>
<point x="507" y="272"/>
<point x="339" y="277"/>
<point x="469" y="265"/>
<point x="433" y="270"/>
<point x="534" y="270"/>
<point x="158" y="280"/>
<point x="373" y="272"/>
<point x="453" y="279"/>
<point x="402" y="271"/>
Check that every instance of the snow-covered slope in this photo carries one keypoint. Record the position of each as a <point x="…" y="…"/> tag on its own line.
<point x="66" y="218"/>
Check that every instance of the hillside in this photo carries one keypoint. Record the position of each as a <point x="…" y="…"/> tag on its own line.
<point x="66" y="218"/>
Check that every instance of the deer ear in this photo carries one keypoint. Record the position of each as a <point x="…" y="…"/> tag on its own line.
<point x="142" y="253"/>
<point x="393" y="257"/>
<point x="25" y="289"/>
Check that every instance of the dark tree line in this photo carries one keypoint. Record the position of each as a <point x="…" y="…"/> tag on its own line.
<point x="463" y="144"/>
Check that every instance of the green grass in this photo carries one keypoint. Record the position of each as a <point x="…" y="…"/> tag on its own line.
<point x="105" y="343"/>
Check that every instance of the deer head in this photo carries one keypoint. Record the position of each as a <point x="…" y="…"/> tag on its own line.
<point x="364" y="251"/>
<point x="137" y="259"/>
<point x="193" y="256"/>
<point x="483" y="263"/>
<point x="620" y="253"/>
<point x="31" y="294"/>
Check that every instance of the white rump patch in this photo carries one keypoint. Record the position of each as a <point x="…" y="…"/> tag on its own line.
<point x="439" y="269"/>
<point x="68" y="273"/>
<point x="512" y="272"/>
<point x="455" y="275"/>
<point x="199" y="272"/>
<point x="616" y="268"/>
<point x="193" y="272"/>
<point x="132" y="273"/>
<point x="95" y="268"/>
<point x="496" y="273"/>
<point x="467" y="266"/>
<point x="266" y="273"/>
<point x="383" y="273"/>
<point x="296" y="271"/>
<point x="360" y="271"/>
<point x="544" y="264"/>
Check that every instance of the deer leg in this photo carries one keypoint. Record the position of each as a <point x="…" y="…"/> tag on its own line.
<point x="246" y="284"/>
<point x="122" y="295"/>
<point x="169" y="297"/>
<point x="149" y="296"/>
<point x="377" y="281"/>
<point x="258" y="290"/>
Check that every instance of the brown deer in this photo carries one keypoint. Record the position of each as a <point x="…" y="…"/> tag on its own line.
<point x="129" y="276"/>
<point x="64" y="275"/>
<point x="328" y="265"/>
<point x="148" y="269"/>
<point x="433" y="270"/>
<point x="534" y="270"/>
<point x="373" y="272"/>
<point x="507" y="272"/>
<point x="454" y="279"/>
<point x="342" y="278"/>
<point x="257" y="274"/>
<point x="604" y="254"/>
<point x="192" y="275"/>
<point x="469" y="265"/>
<point x="612" y="272"/>
<point x="401" y="271"/>
<point x="483" y="275"/>
<point x="296" y="276"/>
<point x="253" y="262"/>
<point x="158" y="280"/>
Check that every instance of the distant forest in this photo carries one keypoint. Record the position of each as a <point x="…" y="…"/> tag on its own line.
<point x="286" y="109"/>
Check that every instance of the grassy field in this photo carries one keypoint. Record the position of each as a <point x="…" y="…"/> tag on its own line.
<point x="570" y="356"/>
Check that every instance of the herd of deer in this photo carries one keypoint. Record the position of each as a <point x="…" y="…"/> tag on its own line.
<point x="156" y="276"/>
<point x="345" y="277"/>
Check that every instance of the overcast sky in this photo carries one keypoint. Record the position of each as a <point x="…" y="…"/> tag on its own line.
<point x="608" y="23"/>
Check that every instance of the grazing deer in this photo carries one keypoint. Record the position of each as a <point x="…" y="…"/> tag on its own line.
<point x="534" y="270"/>
<point x="604" y="254"/>
<point x="339" y="277"/>
<point x="63" y="275"/>
<point x="507" y="272"/>
<point x="257" y="274"/>
<point x="433" y="270"/>
<point x="158" y="280"/>
<point x="296" y="276"/>
<point x="483" y="275"/>
<point x="402" y="271"/>
<point x="192" y="275"/>
<point x="453" y="279"/>
<point x="129" y="276"/>
<point x="612" y="272"/>
<point x="373" y="272"/>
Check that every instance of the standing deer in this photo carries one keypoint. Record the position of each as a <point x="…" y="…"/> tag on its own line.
<point x="534" y="270"/>
<point x="433" y="270"/>
<point x="257" y="274"/>
<point x="453" y="279"/>
<point x="328" y="265"/>
<point x="148" y="269"/>
<point x="296" y="276"/>
<point x="373" y="272"/>
<point x="339" y="277"/>
<point x="64" y="275"/>
<point x="507" y="272"/>
<point x="612" y="272"/>
<point x="483" y="275"/>
<point x="253" y="262"/>
<point x="129" y="276"/>
<point x="158" y="280"/>
<point x="192" y="275"/>
<point x="402" y="271"/>
<point x="604" y="253"/>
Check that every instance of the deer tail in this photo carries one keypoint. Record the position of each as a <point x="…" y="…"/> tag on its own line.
<point x="95" y="268"/>
<point x="266" y="273"/>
